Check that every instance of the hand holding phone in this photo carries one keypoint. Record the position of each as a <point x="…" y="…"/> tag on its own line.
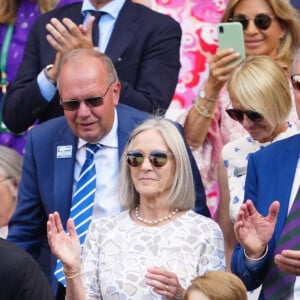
<point x="231" y="36"/>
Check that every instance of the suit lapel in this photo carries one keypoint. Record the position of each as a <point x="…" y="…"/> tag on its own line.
<point x="124" y="30"/>
<point x="285" y="167"/>
<point x="124" y="129"/>
<point x="64" y="149"/>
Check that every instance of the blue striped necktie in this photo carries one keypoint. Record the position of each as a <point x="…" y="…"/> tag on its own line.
<point x="279" y="285"/>
<point x="82" y="202"/>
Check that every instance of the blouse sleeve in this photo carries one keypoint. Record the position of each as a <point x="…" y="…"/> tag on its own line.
<point x="212" y="254"/>
<point x="90" y="264"/>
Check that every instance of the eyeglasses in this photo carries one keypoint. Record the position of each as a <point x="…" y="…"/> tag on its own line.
<point x="238" y="115"/>
<point x="261" y="21"/>
<point x="73" y="105"/>
<point x="296" y="81"/>
<point x="157" y="158"/>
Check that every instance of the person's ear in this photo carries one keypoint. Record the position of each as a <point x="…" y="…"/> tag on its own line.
<point x="116" y="91"/>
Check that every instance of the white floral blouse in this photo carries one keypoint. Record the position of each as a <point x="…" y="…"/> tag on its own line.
<point x="118" y="252"/>
<point x="235" y="156"/>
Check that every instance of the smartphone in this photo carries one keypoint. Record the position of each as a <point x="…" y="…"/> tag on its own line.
<point x="231" y="35"/>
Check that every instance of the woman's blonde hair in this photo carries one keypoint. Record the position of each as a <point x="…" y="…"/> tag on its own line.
<point x="288" y="17"/>
<point x="218" y="285"/>
<point x="261" y="85"/>
<point x="9" y="8"/>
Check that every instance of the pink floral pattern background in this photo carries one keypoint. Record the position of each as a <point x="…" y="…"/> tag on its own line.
<point x="198" y="19"/>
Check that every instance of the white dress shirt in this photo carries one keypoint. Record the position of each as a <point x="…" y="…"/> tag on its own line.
<point x="106" y="22"/>
<point x="107" y="171"/>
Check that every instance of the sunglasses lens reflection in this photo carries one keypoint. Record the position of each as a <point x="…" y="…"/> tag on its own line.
<point x="135" y="158"/>
<point x="157" y="158"/>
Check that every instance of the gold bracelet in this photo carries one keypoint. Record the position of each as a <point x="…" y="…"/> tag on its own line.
<point x="203" y="111"/>
<point x="203" y="96"/>
<point x="71" y="274"/>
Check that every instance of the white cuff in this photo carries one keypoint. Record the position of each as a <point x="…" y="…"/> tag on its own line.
<point x="253" y="261"/>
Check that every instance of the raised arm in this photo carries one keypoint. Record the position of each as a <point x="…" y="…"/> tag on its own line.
<point x="65" y="36"/>
<point x="66" y="247"/>
<point x="199" y="118"/>
<point x="223" y="213"/>
<point x="253" y="231"/>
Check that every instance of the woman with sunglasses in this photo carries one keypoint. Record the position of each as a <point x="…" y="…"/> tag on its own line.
<point x="261" y="101"/>
<point x="158" y="245"/>
<point x="271" y="27"/>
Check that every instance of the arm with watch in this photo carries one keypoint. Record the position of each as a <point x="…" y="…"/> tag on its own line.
<point x="200" y="115"/>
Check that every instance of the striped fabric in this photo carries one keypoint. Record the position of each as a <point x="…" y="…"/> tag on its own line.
<point x="83" y="202"/>
<point x="279" y="285"/>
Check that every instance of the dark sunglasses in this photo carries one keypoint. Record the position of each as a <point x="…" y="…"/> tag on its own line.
<point x="157" y="158"/>
<point x="261" y="21"/>
<point x="296" y="81"/>
<point x="238" y="115"/>
<point x="73" y="105"/>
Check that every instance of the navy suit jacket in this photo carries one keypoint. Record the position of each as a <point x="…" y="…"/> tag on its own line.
<point x="270" y="177"/>
<point x="144" y="47"/>
<point x="21" y="278"/>
<point x="47" y="181"/>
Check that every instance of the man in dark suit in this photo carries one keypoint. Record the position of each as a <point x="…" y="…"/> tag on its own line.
<point x="267" y="251"/>
<point x="21" y="278"/>
<point x="89" y="91"/>
<point x="143" y="45"/>
<point x="270" y="177"/>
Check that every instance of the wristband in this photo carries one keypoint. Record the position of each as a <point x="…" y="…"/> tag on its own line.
<point x="255" y="259"/>
<point x="203" y="96"/>
<point x="71" y="274"/>
<point x="46" y="69"/>
<point x="203" y="111"/>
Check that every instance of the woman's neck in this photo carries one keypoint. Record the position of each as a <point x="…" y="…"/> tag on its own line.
<point x="282" y="127"/>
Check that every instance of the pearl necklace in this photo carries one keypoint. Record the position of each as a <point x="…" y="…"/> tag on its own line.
<point x="153" y="222"/>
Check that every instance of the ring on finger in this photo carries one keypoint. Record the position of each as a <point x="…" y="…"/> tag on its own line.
<point x="167" y="287"/>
